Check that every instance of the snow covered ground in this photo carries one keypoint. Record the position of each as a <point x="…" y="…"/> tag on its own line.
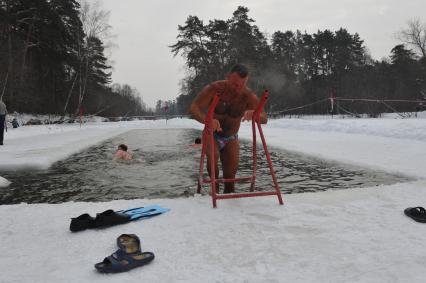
<point x="356" y="235"/>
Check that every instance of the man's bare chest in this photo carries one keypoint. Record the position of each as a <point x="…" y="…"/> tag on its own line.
<point x="233" y="107"/>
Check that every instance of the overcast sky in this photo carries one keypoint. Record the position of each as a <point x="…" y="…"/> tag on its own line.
<point x="145" y="29"/>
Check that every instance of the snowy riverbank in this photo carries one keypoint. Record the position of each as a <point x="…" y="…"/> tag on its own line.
<point x="356" y="235"/>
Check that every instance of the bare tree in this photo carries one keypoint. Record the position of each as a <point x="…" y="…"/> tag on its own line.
<point x="415" y="35"/>
<point x="95" y="25"/>
<point x="96" y="22"/>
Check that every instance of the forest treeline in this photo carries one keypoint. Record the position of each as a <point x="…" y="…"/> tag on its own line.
<point x="300" y="68"/>
<point x="52" y="60"/>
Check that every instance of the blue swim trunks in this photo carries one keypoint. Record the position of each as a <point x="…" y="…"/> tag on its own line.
<point x="222" y="141"/>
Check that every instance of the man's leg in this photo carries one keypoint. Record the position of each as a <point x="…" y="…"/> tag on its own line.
<point x="230" y="157"/>
<point x="216" y="158"/>
<point x="2" y="118"/>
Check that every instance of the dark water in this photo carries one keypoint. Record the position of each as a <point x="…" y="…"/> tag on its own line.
<point x="165" y="166"/>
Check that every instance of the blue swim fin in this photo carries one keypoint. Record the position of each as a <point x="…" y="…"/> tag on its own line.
<point x="142" y="212"/>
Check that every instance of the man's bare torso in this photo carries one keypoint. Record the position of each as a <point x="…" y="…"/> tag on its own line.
<point x="231" y="107"/>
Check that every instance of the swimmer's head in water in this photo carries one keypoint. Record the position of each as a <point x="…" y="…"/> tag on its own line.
<point x="197" y="141"/>
<point x="122" y="147"/>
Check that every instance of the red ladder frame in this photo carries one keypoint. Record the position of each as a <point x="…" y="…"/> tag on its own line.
<point x="208" y="134"/>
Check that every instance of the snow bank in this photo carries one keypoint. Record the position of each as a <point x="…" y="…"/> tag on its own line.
<point x="414" y="129"/>
<point x="358" y="235"/>
<point x="4" y="182"/>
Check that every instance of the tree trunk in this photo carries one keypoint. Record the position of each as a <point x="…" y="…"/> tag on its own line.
<point x="69" y="94"/>
<point x="10" y="59"/>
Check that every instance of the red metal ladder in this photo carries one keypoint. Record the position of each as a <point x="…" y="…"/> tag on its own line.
<point x="208" y="134"/>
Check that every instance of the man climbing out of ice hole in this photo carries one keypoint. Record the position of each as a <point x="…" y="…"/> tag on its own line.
<point x="236" y="103"/>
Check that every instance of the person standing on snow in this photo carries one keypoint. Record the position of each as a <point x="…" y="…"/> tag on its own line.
<point x="3" y="112"/>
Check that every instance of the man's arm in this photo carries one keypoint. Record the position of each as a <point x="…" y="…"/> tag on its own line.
<point x="253" y="101"/>
<point x="200" y="105"/>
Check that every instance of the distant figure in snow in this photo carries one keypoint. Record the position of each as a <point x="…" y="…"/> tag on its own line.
<point x="3" y="112"/>
<point x="122" y="153"/>
<point x="15" y="123"/>
<point x="197" y="143"/>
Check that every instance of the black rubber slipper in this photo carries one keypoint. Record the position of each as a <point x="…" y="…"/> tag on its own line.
<point x="416" y="213"/>
<point x="82" y="222"/>
<point x="110" y="218"/>
<point x="127" y="257"/>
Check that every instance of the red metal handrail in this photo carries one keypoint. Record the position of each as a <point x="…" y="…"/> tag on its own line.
<point x="208" y="135"/>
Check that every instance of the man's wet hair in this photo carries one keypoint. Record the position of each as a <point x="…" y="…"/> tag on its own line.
<point x="197" y="141"/>
<point x="241" y="69"/>
<point x="122" y="147"/>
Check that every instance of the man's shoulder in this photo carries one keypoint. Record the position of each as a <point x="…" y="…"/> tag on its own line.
<point x="249" y="93"/>
<point x="217" y="86"/>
